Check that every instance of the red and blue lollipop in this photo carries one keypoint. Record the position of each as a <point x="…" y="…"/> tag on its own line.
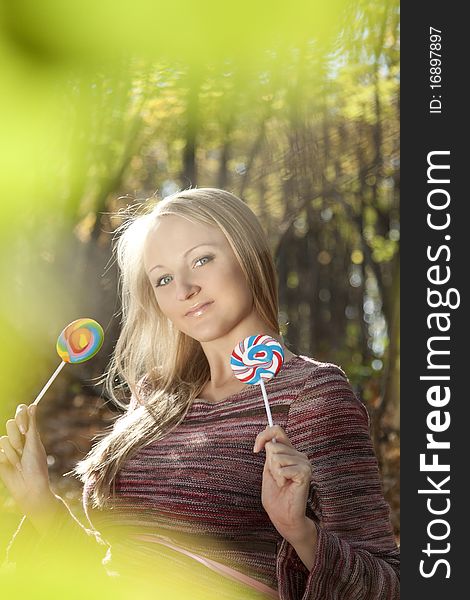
<point x="256" y="359"/>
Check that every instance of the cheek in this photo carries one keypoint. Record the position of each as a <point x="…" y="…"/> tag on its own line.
<point x="164" y="303"/>
<point x="238" y="289"/>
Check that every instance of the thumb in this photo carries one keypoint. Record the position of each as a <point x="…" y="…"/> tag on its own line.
<point x="32" y="429"/>
<point x="33" y="441"/>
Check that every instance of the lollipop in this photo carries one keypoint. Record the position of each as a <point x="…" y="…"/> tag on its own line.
<point x="78" y="342"/>
<point x="257" y="359"/>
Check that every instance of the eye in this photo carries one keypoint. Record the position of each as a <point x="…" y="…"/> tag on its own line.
<point x="161" y="280"/>
<point x="204" y="258"/>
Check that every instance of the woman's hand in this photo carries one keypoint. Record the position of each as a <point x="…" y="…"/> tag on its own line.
<point x="286" y="483"/>
<point x="23" y="463"/>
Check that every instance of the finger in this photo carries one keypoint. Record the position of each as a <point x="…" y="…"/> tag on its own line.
<point x="280" y="448"/>
<point x="9" y="452"/>
<point x="278" y="473"/>
<point x="32" y="409"/>
<point x="289" y="457"/>
<point x="300" y="473"/>
<point x="14" y="435"/>
<point x="22" y="418"/>
<point x="268" y="434"/>
<point x="279" y="459"/>
<point x="271" y="450"/>
<point x="275" y="473"/>
<point x="3" y="459"/>
<point x="288" y="466"/>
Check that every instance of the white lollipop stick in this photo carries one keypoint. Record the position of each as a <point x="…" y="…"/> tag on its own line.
<point x="266" y="403"/>
<point x="48" y="384"/>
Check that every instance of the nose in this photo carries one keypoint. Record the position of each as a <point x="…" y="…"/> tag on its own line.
<point x="185" y="290"/>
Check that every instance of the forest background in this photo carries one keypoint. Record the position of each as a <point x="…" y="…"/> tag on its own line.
<point x="295" y="109"/>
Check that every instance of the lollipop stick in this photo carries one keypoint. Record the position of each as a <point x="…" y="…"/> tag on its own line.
<point x="266" y="403"/>
<point x="46" y="387"/>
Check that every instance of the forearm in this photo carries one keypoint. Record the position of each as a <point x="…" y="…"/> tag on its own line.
<point x="305" y="543"/>
<point x="53" y="526"/>
<point x="45" y="510"/>
<point x="50" y="532"/>
<point x="51" y="514"/>
<point x="48" y="511"/>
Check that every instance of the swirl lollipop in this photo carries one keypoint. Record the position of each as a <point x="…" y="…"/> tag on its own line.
<point x="78" y="342"/>
<point x="257" y="359"/>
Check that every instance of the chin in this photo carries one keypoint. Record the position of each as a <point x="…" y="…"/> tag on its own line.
<point x="204" y="337"/>
<point x="208" y="333"/>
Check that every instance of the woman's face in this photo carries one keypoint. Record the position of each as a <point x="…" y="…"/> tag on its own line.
<point x="196" y="278"/>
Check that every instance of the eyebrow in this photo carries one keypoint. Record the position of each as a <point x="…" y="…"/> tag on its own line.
<point x="185" y="254"/>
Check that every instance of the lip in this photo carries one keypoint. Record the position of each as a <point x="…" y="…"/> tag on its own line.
<point x="199" y="309"/>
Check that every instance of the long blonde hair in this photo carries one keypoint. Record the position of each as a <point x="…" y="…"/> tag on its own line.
<point x="163" y="368"/>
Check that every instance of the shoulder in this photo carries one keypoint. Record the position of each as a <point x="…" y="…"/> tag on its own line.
<point x="325" y="388"/>
<point x="315" y="373"/>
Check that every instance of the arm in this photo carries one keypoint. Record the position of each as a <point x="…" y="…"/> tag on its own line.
<point x="355" y="555"/>
<point x="48" y="523"/>
<point x="51" y="510"/>
<point x="305" y="545"/>
<point x="53" y="538"/>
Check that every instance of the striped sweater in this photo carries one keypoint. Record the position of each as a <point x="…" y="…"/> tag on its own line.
<point x="200" y="488"/>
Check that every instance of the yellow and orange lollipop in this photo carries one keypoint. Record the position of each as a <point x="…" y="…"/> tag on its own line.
<point x="78" y="342"/>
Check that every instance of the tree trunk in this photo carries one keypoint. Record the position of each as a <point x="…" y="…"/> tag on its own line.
<point x="189" y="171"/>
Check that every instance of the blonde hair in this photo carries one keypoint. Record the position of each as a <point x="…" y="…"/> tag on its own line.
<point x="165" y="369"/>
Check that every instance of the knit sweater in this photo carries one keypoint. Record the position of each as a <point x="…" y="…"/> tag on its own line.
<point x="200" y="488"/>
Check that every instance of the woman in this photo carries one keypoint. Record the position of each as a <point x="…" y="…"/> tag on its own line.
<point x="190" y="466"/>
